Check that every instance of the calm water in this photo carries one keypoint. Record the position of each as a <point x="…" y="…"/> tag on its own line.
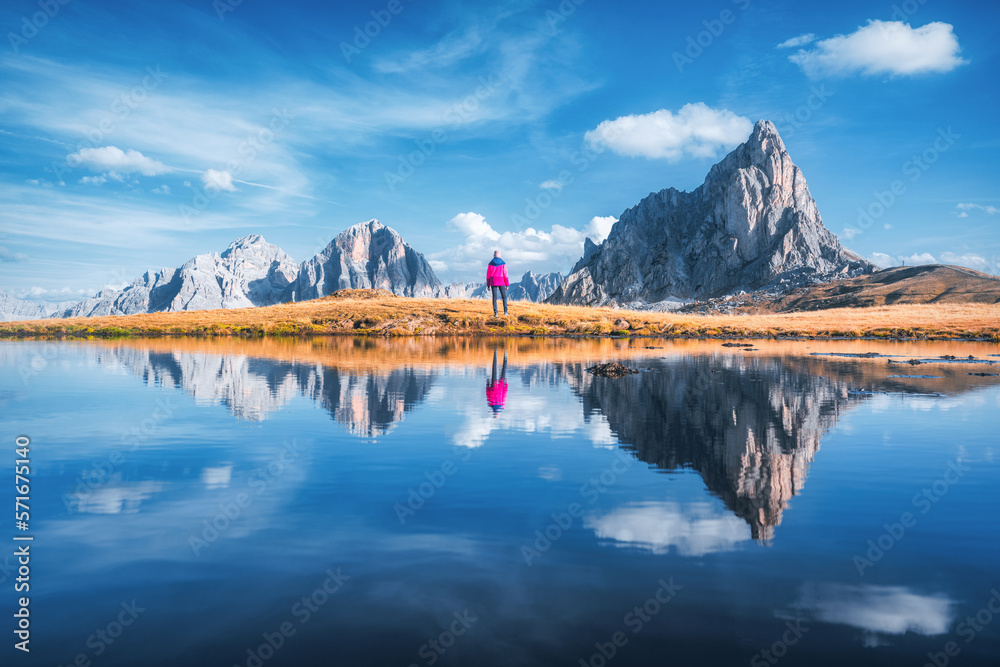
<point x="403" y="503"/>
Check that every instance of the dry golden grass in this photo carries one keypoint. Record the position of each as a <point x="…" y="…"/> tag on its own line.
<point x="933" y="284"/>
<point x="368" y="312"/>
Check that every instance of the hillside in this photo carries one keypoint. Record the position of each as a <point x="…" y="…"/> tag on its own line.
<point x="376" y="312"/>
<point x="934" y="283"/>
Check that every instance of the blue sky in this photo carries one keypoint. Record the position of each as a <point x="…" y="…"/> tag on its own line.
<point x="136" y="136"/>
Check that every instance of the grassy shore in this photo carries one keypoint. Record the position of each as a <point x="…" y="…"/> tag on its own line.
<point x="378" y="313"/>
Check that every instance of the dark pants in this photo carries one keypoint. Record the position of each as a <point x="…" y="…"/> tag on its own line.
<point x="503" y="292"/>
<point x="503" y="373"/>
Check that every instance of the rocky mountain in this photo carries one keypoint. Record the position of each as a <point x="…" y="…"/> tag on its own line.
<point x="253" y="272"/>
<point x="13" y="309"/>
<point x="531" y="287"/>
<point x="751" y="223"/>
<point x="250" y="272"/>
<point x="366" y="256"/>
<point x="535" y="287"/>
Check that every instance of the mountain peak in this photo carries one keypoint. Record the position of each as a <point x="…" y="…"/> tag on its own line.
<point x="751" y="224"/>
<point x="763" y="127"/>
<point x="765" y="135"/>
<point x="366" y="255"/>
<point x="372" y="224"/>
<point x="248" y="241"/>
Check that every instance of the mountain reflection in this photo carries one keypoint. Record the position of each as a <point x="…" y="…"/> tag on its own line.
<point x="366" y="404"/>
<point x="749" y="423"/>
<point x="750" y="426"/>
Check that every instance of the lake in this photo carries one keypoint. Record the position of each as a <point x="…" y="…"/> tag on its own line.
<point x="425" y="502"/>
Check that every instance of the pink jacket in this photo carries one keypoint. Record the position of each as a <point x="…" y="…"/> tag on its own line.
<point x="496" y="394"/>
<point x="496" y="273"/>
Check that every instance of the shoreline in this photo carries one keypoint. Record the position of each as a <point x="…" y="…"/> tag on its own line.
<point x="375" y="313"/>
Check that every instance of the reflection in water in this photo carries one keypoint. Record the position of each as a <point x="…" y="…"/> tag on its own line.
<point x="114" y="497"/>
<point x="227" y="515"/>
<point x="878" y="610"/>
<point x="496" y="388"/>
<point x="693" y="530"/>
<point x="749" y="426"/>
<point x="366" y="403"/>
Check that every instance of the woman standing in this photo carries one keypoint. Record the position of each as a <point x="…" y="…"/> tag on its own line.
<point x="498" y="281"/>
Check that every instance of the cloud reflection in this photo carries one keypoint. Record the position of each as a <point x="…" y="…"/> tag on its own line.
<point x="887" y="610"/>
<point x="692" y="530"/>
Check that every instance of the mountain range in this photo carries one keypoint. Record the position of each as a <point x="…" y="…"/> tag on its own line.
<point x="751" y="227"/>
<point x="253" y="272"/>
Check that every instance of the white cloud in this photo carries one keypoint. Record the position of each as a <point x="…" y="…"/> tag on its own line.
<point x="886" y="226"/>
<point x="554" y="250"/>
<point x="884" y="47"/>
<point x="162" y="190"/>
<point x="112" y="158"/>
<point x="801" y="40"/>
<point x="94" y="180"/>
<point x="964" y="208"/>
<point x="891" y="610"/>
<point x="921" y="258"/>
<point x="551" y="185"/>
<point x="44" y="294"/>
<point x="696" y="130"/>
<point x="474" y="226"/>
<point x="850" y="232"/>
<point x="453" y="48"/>
<point x="218" y="180"/>
<point x="883" y="260"/>
<point x="694" y="530"/>
<point x="916" y="259"/>
<point x="970" y="260"/>
<point x="126" y="225"/>
<point x="599" y="227"/>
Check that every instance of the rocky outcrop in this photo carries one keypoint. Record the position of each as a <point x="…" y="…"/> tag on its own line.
<point x="366" y="256"/>
<point x="13" y="309"/>
<point x="752" y="223"/>
<point x="250" y="272"/>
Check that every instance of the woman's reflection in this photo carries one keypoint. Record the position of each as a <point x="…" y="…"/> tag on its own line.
<point x="496" y="388"/>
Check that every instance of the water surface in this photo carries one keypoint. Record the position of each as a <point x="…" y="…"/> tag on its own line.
<point x="370" y="502"/>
